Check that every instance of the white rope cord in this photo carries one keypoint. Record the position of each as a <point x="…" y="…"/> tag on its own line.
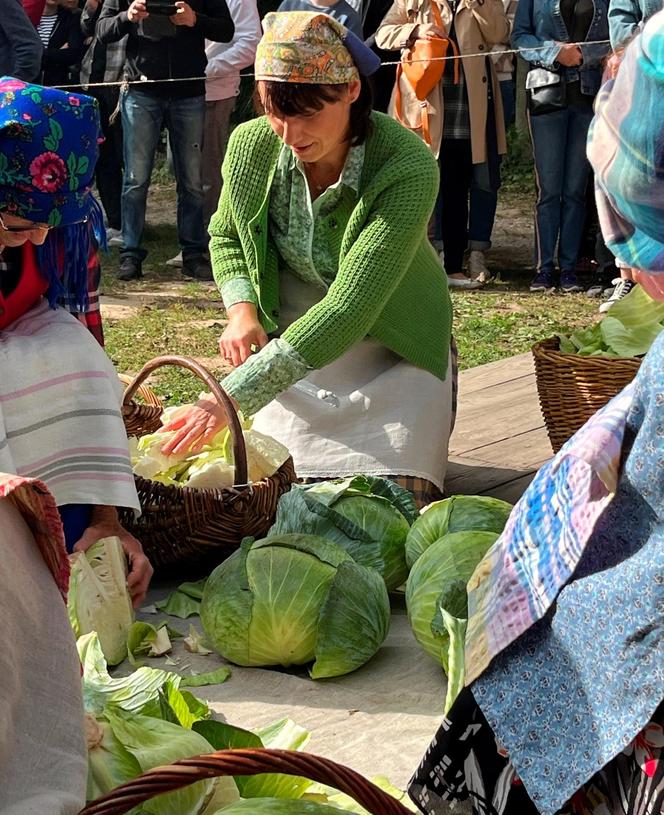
<point x="125" y="83"/>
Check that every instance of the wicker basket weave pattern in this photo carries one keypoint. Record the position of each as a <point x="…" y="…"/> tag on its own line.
<point x="141" y="418"/>
<point x="181" y="524"/>
<point x="245" y="762"/>
<point x="572" y="388"/>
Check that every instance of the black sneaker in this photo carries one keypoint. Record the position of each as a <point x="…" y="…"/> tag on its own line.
<point x="543" y="282"/>
<point x="197" y="267"/>
<point x="130" y="268"/>
<point x="569" y="283"/>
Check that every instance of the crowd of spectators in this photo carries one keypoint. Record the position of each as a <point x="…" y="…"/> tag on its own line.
<point x="183" y="61"/>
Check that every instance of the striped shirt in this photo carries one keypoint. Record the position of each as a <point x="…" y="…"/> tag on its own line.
<point x="45" y="27"/>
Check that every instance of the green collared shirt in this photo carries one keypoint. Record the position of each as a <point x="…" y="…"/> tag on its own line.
<point x="298" y="228"/>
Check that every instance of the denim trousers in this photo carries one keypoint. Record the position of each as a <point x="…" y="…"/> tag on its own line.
<point x="142" y="118"/>
<point x="561" y="173"/>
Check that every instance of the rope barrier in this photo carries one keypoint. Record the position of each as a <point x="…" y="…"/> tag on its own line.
<point x="126" y="83"/>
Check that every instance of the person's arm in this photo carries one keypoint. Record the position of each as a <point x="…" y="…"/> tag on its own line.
<point x="104" y="523"/>
<point x="215" y="23"/>
<point x="491" y="19"/>
<point x="395" y="32"/>
<point x="624" y="19"/>
<point x="89" y="17"/>
<point x="24" y="40"/>
<point x="533" y="49"/>
<point x="70" y="53"/>
<point x="240" y="54"/>
<point x="113" y="23"/>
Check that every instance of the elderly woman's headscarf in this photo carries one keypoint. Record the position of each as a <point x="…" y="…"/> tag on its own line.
<point x="49" y="144"/>
<point x="314" y="49"/>
<point x="626" y="150"/>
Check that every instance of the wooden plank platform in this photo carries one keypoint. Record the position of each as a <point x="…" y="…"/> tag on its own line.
<point x="499" y="440"/>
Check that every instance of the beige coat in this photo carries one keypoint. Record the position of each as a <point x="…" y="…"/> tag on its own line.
<point x="478" y="27"/>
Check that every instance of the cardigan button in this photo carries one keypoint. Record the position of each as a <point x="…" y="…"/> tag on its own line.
<point x="258" y="229"/>
<point x="333" y="223"/>
<point x="275" y="312"/>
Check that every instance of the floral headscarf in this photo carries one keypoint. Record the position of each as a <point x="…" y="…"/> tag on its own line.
<point x="49" y="144"/>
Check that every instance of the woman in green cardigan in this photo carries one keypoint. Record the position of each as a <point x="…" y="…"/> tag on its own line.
<point x="339" y="316"/>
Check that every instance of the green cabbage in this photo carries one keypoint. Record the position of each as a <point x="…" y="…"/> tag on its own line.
<point x="437" y="583"/>
<point x="99" y="599"/>
<point x="456" y="514"/>
<point x="293" y="599"/>
<point x="279" y="806"/>
<point x="368" y="517"/>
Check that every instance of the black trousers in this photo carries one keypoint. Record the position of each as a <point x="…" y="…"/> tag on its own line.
<point x="109" y="167"/>
<point x="456" y="175"/>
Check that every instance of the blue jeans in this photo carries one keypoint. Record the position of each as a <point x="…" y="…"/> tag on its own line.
<point x="508" y="95"/>
<point x="142" y="119"/>
<point x="484" y="190"/>
<point x="561" y="173"/>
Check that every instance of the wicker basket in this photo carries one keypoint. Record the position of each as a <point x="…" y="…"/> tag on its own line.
<point x="194" y="526"/>
<point x="245" y="762"/>
<point x="572" y="388"/>
<point x="144" y="417"/>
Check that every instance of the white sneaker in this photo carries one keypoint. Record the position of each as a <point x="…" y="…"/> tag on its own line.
<point x="176" y="261"/>
<point x="463" y="283"/>
<point x="114" y="237"/>
<point x="622" y="289"/>
<point x="477" y="268"/>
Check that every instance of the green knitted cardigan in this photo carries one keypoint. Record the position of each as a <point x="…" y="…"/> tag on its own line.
<point x="390" y="284"/>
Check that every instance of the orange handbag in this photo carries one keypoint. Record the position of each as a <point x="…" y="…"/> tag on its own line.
<point x="423" y="67"/>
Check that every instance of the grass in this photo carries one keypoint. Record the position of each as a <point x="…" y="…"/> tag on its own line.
<point x="172" y="315"/>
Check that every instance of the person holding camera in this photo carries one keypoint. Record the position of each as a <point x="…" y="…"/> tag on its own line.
<point x="165" y="67"/>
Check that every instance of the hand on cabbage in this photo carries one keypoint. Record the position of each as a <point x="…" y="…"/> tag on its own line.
<point x="104" y="523"/>
<point x="193" y="426"/>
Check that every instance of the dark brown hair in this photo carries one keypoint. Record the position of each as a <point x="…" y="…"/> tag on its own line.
<point x="299" y="99"/>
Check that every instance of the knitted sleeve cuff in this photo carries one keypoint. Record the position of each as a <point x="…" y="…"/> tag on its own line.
<point x="237" y="290"/>
<point x="265" y="375"/>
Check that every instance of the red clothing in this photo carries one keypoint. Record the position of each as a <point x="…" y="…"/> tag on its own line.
<point x="34" y="9"/>
<point x="30" y="288"/>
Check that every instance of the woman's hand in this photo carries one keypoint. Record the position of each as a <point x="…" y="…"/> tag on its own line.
<point x="105" y="523"/>
<point x="195" y="426"/>
<point x="242" y="335"/>
<point x="569" y="55"/>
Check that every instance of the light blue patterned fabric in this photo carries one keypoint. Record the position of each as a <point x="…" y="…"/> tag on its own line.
<point x="577" y="687"/>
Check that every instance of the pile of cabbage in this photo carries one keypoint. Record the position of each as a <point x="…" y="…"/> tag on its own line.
<point x="444" y="546"/>
<point x="212" y="467"/>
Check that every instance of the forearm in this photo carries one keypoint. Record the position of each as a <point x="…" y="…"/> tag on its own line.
<point x="113" y="24"/>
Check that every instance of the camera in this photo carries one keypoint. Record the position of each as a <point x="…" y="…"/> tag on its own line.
<point x="165" y="8"/>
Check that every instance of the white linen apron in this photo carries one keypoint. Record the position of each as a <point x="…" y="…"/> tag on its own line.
<point x="392" y="418"/>
<point x="60" y="418"/>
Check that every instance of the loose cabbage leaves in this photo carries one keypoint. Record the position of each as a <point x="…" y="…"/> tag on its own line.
<point x="278" y="806"/>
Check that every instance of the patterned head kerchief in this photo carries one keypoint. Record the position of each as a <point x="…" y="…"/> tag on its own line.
<point x="626" y="149"/>
<point x="315" y="49"/>
<point x="49" y="143"/>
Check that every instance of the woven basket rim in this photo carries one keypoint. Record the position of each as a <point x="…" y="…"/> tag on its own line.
<point x="551" y="345"/>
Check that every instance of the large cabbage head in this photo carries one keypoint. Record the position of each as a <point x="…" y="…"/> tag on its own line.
<point x="294" y="599"/>
<point x="99" y="598"/>
<point x="460" y="513"/>
<point x="437" y="583"/>
<point x="368" y="517"/>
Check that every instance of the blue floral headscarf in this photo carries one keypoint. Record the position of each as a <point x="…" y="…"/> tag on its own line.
<point x="49" y="144"/>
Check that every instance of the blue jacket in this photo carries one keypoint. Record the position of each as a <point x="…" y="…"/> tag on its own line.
<point x="625" y="17"/>
<point x="539" y="25"/>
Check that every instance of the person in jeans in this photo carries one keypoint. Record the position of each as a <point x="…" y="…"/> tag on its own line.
<point x="546" y="31"/>
<point x="467" y="128"/>
<point x="162" y="47"/>
<point x="222" y="86"/>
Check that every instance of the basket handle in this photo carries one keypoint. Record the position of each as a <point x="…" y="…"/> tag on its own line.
<point x="237" y="437"/>
<point x="245" y="762"/>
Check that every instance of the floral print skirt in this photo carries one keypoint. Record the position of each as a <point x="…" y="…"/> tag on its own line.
<point x="464" y="763"/>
